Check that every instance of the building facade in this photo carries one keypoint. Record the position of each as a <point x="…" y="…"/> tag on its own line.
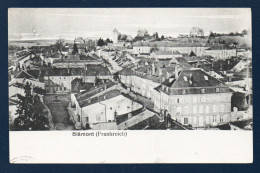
<point x="194" y="98"/>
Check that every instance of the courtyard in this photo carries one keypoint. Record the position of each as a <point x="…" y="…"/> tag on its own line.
<point x="58" y="104"/>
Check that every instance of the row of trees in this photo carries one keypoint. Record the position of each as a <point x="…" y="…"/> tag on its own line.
<point x="30" y="111"/>
<point x="102" y="42"/>
<point x="213" y="35"/>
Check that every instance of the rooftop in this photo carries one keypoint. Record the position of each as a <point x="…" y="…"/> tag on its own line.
<point x="91" y="70"/>
<point x="193" y="81"/>
<point x="105" y="96"/>
<point x="166" y="53"/>
<point x="93" y="90"/>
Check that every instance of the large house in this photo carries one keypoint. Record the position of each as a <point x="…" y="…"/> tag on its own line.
<point x="183" y="48"/>
<point x="220" y="53"/>
<point x="165" y="55"/>
<point x="101" y="104"/>
<point x="59" y="80"/>
<point x="192" y="97"/>
<point x="149" y="75"/>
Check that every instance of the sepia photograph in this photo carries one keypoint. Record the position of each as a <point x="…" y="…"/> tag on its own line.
<point x="131" y="74"/>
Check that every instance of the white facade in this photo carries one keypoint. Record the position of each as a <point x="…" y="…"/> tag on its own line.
<point x="221" y="53"/>
<point x="141" y="50"/>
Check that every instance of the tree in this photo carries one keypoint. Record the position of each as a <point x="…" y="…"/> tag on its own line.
<point x="211" y="35"/>
<point x="108" y="41"/>
<point x="196" y="32"/>
<point x="162" y="37"/>
<point x="59" y="45"/>
<point x="75" y="49"/>
<point x="244" y="32"/>
<point x="192" y="54"/>
<point x="30" y="114"/>
<point x="100" y="42"/>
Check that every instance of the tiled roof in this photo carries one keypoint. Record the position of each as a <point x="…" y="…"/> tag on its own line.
<point x="25" y="75"/>
<point x="92" y="91"/>
<point x="92" y="70"/>
<point x="126" y="71"/>
<point x="197" y="77"/>
<point x="191" y="82"/>
<point x="84" y="57"/>
<point x="107" y="95"/>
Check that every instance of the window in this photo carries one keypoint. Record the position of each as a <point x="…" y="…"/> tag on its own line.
<point x="186" y="120"/>
<point x="221" y="119"/>
<point x="222" y="108"/>
<point x="110" y="108"/>
<point x="64" y="88"/>
<point x="207" y="108"/>
<point x="215" y="108"/>
<point x="202" y="99"/>
<point x="201" y="109"/>
<point x="60" y="88"/>
<point x="194" y="109"/>
<point x="214" y="119"/>
<point x="194" y="120"/>
<point x="186" y="110"/>
<point x="178" y="110"/>
<point x="202" y="90"/>
<point x="86" y="119"/>
<point x="178" y="100"/>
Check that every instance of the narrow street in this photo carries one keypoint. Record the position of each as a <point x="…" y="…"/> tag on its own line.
<point x="58" y="104"/>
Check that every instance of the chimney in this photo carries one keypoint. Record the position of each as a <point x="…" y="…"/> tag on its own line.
<point x="176" y="71"/>
<point x="167" y="75"/>
<point x="153" y="69"/>
<point x="163" y="79"/>
<point x="160" y="71"/>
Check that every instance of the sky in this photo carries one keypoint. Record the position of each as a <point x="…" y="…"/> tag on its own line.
<point x="32" y="23"/>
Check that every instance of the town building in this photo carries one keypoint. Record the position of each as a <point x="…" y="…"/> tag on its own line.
<point x="220" y="53"/>
<point x="139" y="50"/>
<point x="181" y="47"/>
<point x="58" y="80"/>
<point x="194" y="98"/>
<point x="100" y="104"/>
<point x="149" y="75"/>
<point x="165" y="55"/>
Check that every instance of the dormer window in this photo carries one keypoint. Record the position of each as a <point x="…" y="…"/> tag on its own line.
<point x="183" y="91"/>
<point x="202" y="90"/>
<point x="206" y="78"/>
<point x="217" y="90"/>
<point x="185" y="78"/>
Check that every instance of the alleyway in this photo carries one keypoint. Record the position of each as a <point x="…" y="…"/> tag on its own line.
<point x="58" y="106"/>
